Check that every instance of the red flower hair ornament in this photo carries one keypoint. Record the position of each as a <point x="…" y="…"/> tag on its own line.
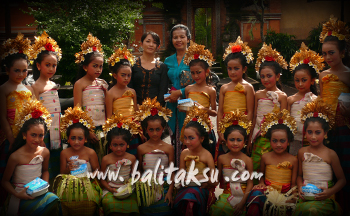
<point x="36" y="114"/>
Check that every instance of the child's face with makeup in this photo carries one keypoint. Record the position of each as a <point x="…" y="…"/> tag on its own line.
<point x="191" y="138"/>
<point x="331" y="53"/>
<point x="94" y="68"/>
<point x="235" y="141"/>
<point x="76" y="138"/>
<point x="19" y="71"/>
<point x="279" y="141"/>
<point x="118" y="145"/>
<point x="303" y="81"/>
<point x="268" y="77"/>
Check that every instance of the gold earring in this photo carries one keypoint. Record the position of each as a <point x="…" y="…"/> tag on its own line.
<point x="343" y="56"/>
<point x="85" y="141"/>
<point x="277" y="79"/>
<point x="325" y="136"/>
<point x="127" y="146"/>
<point x="24" y="138"/>
<point x="244" y="146"/>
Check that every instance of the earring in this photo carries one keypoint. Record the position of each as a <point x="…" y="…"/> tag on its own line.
<point x="85" y="70"/>
<point x="244" y="146"/>
<point x="277" y="79"/>
<point x="85" y="141"/>
<point x="325" y="136"/>
<point x="127" y="146"/>
<point x="24" y="138"/>
<point x="343" y="56"/>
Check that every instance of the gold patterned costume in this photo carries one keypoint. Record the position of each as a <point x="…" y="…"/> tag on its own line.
<point x="200" y="97"/>
<point x="125" y="104"/>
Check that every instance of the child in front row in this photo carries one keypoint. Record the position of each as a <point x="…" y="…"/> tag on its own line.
<point x="236" y="127"/>
<point x="118" y="130"/>
<point x="317" y="163"/>
<point x="279" y="167"/>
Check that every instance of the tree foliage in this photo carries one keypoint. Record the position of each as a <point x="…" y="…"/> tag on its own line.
<point x="69" y="22"/>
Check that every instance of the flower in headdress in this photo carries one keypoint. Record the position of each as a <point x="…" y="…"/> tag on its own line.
<point x="120" y="124"/>
<point x="195" y="119"/>
<point x="196" y="56"/>
<point x="269" y="58"/>
<point x="36" y="114"/>
<point x="49" y="47"/>
<point x="236" y="48"/>
<point x="20" y="51"/>
<point x="235" y="122"/>
<point x="315" y="114"/>
<point x="94" y="48"/>
<point x="154" y="111"/>
<point x="329" y="33"/>
<point x="280" y="121"/>
<point x="125" y="57"/>
<point x="306" y="61"/>
<point x="75" y="121"/>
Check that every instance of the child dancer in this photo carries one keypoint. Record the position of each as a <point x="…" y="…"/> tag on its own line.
<point x="305" y="65"/>
<point x="279" y="167"/>
<point x="28" y="160"/>
<point x="193" y="199"/>
<point x="317" y="162"/>
<point x="335" y="37"/>
<point x="46" y="54"/>
<point x="199" y="60"/>
<point x="118" y="131"/>
<point x="12" y="94"/>
<point x="269" y="66"/>
<point x="84" y="197"/>
<point x="237" y="94"/>
<point x="235" y="127"/>
<point x="89" y="91"/>
<point x="153" y="118"/>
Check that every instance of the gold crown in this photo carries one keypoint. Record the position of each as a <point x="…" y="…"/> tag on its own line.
<point x="121" y="122"/>
<point x="239" y="46"/>
<point x="76" y="115"/>
<point x="196" y="51"/>
<point x="235" y="118"/>
<point x="198" y="115"/>
<point x="31" y="109"/>
<point x="121" y="54"/>
<point x="278" y="117"/>
<point x="335" y="28"/>
<point x="92" y="44"/>
<point x="151" y="107"/>
<point x="266" y="53"/>
<point x="17" y="45"/>
<point x="320" y="109"/>
<point x="306" y="56"/>
<point x="42" y="43"/>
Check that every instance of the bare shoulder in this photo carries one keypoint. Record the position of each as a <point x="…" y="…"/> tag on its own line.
<point x="211" y="89"/>
<point x="29" y="88"/>
<point x="260" y="94"/>
<point x="44" y="151"/>
<point x="247" y="85"/>
<point x="90" y="151"/>
<point x="281" y="94"/>
<point x="247" y="160"/>
<point x="292" y="158"/>
<point x="324" y="73"/>
<point x="185" y="153"/>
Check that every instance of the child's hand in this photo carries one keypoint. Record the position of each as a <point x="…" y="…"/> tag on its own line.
<point x="174" y="95"/>
<point x="112" y="190"/>
<point x="238" y="209"/>
<point x="259" y="186"/>
<point x="93" y="138"/>
<point x="23" y="194"/>
<point x="221" y="138"/>
<point x="169" y="197"/>
<point x="301" y="193"/>
<point x="325" y="194"/>
<point x="71" y="165"/>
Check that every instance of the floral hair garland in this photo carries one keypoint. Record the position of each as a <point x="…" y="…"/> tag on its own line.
<point x="92" y="44"/>
<point x="306" y="56"/>
<point x="121" y="54"/>
<point x="196" y="51"/>
<point x="239" y="46"/>
<point x="318" y="109"/>
<point x="235" y="118"/>
<point x="32" y="109"/>
<point x="76" y="115"/>
<point x="266" y="53"/>
<point x="17" y="45"/>
<point x="335" y="28"/>
<point x="42" y="43"/>
<point x="121" y="122"/>
<point x="151" y="107"/>
<point x="278" y="117"/>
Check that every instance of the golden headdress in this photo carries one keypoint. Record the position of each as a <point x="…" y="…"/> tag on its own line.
<point x="318" y="108"/>
<point x="17" y="45"/>
<point x="235" y="118"/>
<point x="42" y="43"/>
<point x="76" y="115"/>
<point x="121" y="54"/>
<point x="266" y="53"/>
<point x="151" y="107"/>
<point x="306" y="56"/>
<point x="31" y="109"/>
<point x="92" y="44"/>
<point x="335" y="28"/>
<point x="121" y="122"/>
<point x="198" y="115"/>
<point x="278" y="117"/>
<point x="196" y="51"/>
<point x="239" y="46"/>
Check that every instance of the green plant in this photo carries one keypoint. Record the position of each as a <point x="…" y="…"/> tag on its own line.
<point x="314" y="39"/>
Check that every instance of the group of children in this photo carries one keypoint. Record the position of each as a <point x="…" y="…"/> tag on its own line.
<point x="286" y="136"/>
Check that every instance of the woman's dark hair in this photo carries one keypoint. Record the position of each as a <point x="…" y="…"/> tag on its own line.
<point x="176" y="27"/>
<point x="154" y="35"/>
<point x="324" y="124"/>
<point x="144" y="125"/>
<point x="232" y="128"/>
<point x="81" y="126"/>
<point x="39" y="59"/>
<point x="341" y="44"/>
<point x="290" y="135"/>
<point x="242" y="59"/>
<point x="201" y="133"/>
<point x="114" y="69"/>
<point x="276" y="68"/>
<point x="311" y="72"/>
<point x="19" y="141"/>
<point x="88" y="58"/>
<point x="126" y="135"/>
<point x="204" y="65"/>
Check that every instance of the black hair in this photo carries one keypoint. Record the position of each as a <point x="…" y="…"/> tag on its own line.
<point x="240" y="129"/>
<point x="312" y="73"/>
<point x="176" y="27"/>
<point x="154" y="35"/>
<point x="39" y="59"/>
<point x="144" y="125"/>
<point x="125" y="134"/>
<point x="88" y="58"/>
<point x="341" y="44"/>
<point x="276" y="68"/>
<point x="81" y="126"/>
<point x="325" y="126"/>
<point x="204" y="65"/>
<point x="19" y="141"/>
<point x="242" y="59"/>
<point x="201" y="133"/>
<point x="284" y="127"/>
<point x="10" y="59"/>
<point x="114" y="69"/>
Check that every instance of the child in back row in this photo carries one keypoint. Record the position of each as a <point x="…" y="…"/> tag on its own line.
<point x="305" y="65"/>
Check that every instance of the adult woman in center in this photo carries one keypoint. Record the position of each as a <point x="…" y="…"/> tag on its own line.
<point x="149" y="75"/>
<point x="180" y="37"/>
